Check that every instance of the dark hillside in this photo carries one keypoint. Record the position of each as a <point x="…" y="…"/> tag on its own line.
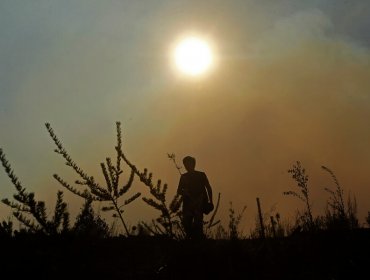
<point x="339" y="255"/>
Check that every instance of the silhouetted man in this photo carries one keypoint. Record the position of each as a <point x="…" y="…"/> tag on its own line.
<point x="196" y="193"/>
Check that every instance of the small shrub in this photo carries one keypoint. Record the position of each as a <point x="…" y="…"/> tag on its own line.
<point x="6" y="229"/>
<point x="299" y="175"/>
<point x="113" y="189"/>
<point x="234" y="222"/>
<point x="276" y="228"/>
<point x="169" y="221"/>
<point x="31" y="212"/>
<point x="368" y="219"/>
<point x="88" y="224"/>
<point x="338" y="216"/>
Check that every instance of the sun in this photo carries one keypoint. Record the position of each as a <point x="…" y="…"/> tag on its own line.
<point x="193" y="56"/>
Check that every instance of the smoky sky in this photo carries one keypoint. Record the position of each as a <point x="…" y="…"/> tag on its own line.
<point x="291" y="83"/>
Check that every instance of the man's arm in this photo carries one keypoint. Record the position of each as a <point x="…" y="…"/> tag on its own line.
<point x="180" y="188"/>
<point x="208" y="188"/>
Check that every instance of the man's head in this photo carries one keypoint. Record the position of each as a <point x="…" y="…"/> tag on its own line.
<point x="189" y="163"/>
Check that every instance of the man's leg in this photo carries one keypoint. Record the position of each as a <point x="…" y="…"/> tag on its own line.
<point x="198" y="224"/>
<point x="187" y="221"/>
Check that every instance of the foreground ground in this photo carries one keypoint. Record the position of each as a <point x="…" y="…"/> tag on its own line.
<point x="340" y="255"/>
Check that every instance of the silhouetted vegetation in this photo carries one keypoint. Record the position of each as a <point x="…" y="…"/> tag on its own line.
<point x="112" y="191"/>
<point x="331" y="246"/>
<point x="168" y="223"/>
<point x="337" y="215"/>
<point x="88" y="224"/>
<point x="298" y="173"/>
<point x="6" y="229"/>
<point x="234" y="222"/>
<point x="31" y="212"/>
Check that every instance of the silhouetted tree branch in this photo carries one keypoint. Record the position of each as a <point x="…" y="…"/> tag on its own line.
<point x="299" y="175"/>
<point x="32" y="213"/>
<point x="113" y="189"/>
<point x="170" y="214"/>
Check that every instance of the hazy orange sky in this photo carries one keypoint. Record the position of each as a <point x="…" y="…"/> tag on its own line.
<point x="291" y="83"/>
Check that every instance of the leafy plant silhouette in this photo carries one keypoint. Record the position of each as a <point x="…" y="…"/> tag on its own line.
<point x="31" y="212"/>
<point x="368" y="219"/>
<point x="113" y="189"/>
<point x="6" y="229"/>
<point x="172" y="157"/>
<point x="300" y="176"/>
<point x="338" y="216"/>
<point x="234" y="222"/>
<point x="168" y="223"/>
<point x="88" y="224"/>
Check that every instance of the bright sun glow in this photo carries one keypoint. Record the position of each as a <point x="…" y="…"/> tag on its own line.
<point x="193" y="56"/>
